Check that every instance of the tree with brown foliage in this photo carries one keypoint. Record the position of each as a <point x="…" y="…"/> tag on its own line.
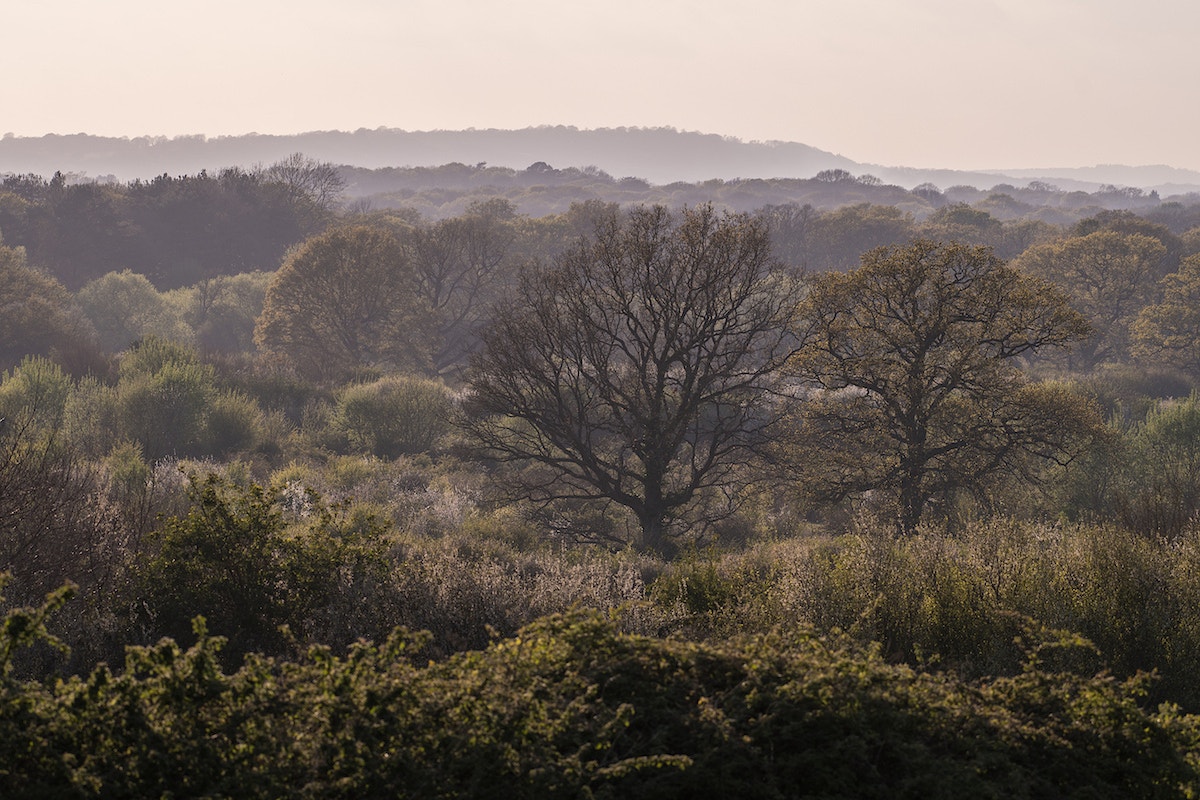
<point x="1109" y="277"/>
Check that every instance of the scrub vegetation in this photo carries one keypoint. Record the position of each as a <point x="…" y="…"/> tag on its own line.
<point x="299" y="499"/>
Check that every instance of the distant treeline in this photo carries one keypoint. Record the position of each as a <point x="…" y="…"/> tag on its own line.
<point x="541" y="189"/>
<point x="173" y="230"/>
<point x="180" y="230"/>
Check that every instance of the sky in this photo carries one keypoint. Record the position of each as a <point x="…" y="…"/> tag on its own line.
<point x="960" y="84"/>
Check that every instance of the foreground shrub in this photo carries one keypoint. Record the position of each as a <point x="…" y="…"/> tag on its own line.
<point x="253" y="559"/>
<point x="572" y="708"/>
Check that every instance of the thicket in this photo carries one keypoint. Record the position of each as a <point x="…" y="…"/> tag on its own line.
<point x="572" y="707"/>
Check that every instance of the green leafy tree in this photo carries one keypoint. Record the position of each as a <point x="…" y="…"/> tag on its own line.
<point x="222" y="311"/>
<point x="125" y="307"/>
<point x="1109" y="277"/>
<point x="636" y="371"/>
<point x="344" y="300"/>
<point x="1165" y="461"/>
<point x="914" y="357"/>
<point x="1168" y="332"/>
<point x="36" y="388"/>
<point x="38" y="316"/>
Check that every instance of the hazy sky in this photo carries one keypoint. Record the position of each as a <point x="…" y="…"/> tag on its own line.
<point x="932" y="83"/>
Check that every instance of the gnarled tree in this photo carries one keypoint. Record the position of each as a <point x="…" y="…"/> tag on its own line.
<point x="914" y="358"/>
<point x="637" y="370"/>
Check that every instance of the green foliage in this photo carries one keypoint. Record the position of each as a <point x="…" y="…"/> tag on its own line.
<point x="236" y="559"/>
<point x="35" y="390"/>
<point x="234" y="424"/>
<point x="92" y="417"/>
<point x="125" y="307"/>
<point x="343" y="301"/>
<point x="167" y="410"/>
<point x="396" y="415"/>
<point x="917" y="391"/>
<point x="222" y="311"/>
<point x="1109" y="276"/>
<point x="168" y="401"/>
<point x="153" y="353"/>
<point x="1168" y="332"/>
<point x="38" y="316"/>
<point x="572" y="708"/>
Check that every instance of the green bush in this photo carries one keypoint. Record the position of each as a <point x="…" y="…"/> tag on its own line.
<point x="572" y="708"/>
<point x="395" y="415"/>
<point x="233" y="424"/>
<point x="92" y="418"/>
<point x="35" y="394"/>
<point x="237" y="559"/>
<point x="166" y="411"/>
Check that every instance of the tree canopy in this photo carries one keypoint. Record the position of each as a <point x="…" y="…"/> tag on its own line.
<point x="635" y="370"/>
<point x="1108" y="276"/>
<point x="918" y="393"/>
<point x="38" y="316"/>
<point x="343" y="300"/>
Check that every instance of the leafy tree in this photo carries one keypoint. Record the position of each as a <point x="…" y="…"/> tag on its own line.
<point x="1108" y="276"/>
<point x="38" y="316"/>
<point x="36" y="387"/>
<point x="961" y="223"/>
<point x="914" y="356"/>
<point x="125" y="307"/>
<point x="1160" y="490"/>
<point x="344" y="300"/>
<point x="838" y="238"/>
<point x="195" y="227"/>
<point x="222" y="311"/>
<point x="636" y="370"/>
<point x="1168" y="332"/>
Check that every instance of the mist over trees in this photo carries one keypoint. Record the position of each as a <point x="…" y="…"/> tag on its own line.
<point x="905" y="467"/>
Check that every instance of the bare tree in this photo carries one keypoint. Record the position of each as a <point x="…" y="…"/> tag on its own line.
<point x="460" y="264"/>
<point x="638" y="370"/>
<point x="319" y="182"/>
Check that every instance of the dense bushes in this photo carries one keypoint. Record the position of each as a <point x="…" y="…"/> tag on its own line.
<point x="571" y="707"/>
<point x="236" y="559"/>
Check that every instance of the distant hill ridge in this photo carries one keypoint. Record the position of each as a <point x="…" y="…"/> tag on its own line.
<point x="658" y="155"/>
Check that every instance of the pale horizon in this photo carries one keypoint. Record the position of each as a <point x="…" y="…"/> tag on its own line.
<point x="985" y="85"/>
